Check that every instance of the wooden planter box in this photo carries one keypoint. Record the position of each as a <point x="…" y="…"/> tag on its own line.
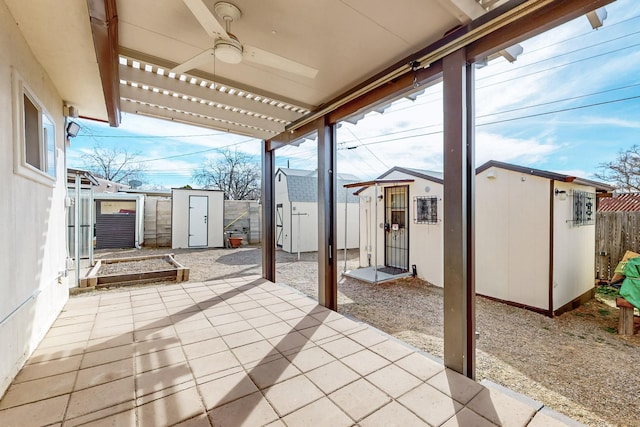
<point x="175" y="272"/>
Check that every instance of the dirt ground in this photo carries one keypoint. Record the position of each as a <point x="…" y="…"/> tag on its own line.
<point x="575" y="363"/>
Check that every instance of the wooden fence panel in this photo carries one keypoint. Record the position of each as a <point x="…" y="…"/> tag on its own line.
<point x="616" y="233"/>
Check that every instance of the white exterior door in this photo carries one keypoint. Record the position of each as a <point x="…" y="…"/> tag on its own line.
<point x="198" y="212"/>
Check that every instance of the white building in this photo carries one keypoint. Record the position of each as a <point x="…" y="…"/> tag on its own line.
<point x="535" y="232"/>
<point x="33" y="253"/>
<point x="401" y="223"/>
<point x="197" y="219"/>
<point x="297" y="211"/>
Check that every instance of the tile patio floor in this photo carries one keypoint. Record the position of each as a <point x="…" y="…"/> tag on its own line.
<point x="239" y="352"/>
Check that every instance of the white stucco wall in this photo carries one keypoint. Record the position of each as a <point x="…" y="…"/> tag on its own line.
<point x="573" y="251"/>
<point x="32" y="215"/>
<point x="425" y="240"/>
<point x="180" y="217"/>
<point x="512" y="237"/>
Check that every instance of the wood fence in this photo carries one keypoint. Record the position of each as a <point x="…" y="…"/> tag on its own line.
<point x="616" y="233"/>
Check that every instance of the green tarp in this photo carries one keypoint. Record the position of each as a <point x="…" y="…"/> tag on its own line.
<point x="630" y="288"/>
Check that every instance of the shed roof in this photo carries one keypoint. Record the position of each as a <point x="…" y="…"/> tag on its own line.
<point x="302" y="185"/>
<point x="599" y="186"/>
<point x="626" y="202"/>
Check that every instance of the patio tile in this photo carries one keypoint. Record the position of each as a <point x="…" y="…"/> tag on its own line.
<point x="46" y="369"/>
<point x="391" y="350"/>
<point x="98" y="416"/>
<point x="304" y="323"/>
<point x="321" y="413"/>
<point x="359" y="399"/>
<point x="126" y="418"/>
<point x="342" y="347"/>
<point x="226" y="389"/>
<point x="268" y="319"/>
<point x="111" y="331"/>
<point x="158" y="359"/>
<point x="283" y="306"/>
<point x="319" y="332"/>
<point x="99" y="397"/>
<point x="32" y="391"/>
<point x="141" y="325"/>
<point x="213" y="363"/>
<point x="204" y="348"/>
<point x="311" y="358"/>
<point x="192" y="325"/>
<point x="332" y="376"/>
<point x="455" y="385"/>
<point x="49" y="354"/>
<point x="151" y="346"/>
<point x="234" y="327"/>
<point x="101" y="374"/>
<point x="199" y="421"/>
<point x="197" y="335"/>
<point x="147" y="315"/>
<point x="221" y="319"/>
<point x="69" y="329"/>
<point x="272" y="372"/>
<point x="544" y="420"/>
<point x="430" y="404"/>
<point x="78" y="337"/>
<point x="467" y="417"/>
<point x="255" y="312"/>
<point x="367" y="337"/>
<point x="109" y="342"/>
<point x="292" y="394"/>
<point x="94" y="358"/>
<point x="160" y="379"/>
<point x="72" y="319"/>
<point x="251" y="410"/>
<point x="154" y="333"/>
<point x="143" y="400"/>
<point x="188" y="317"/>
<point x="501" y="409"/>
<point x="245" y="305"/>
<point x="43" y="412"/>
<point x="346" y="325"/>
<point x="365" y="362"/>
<point x="171" y="409"/>
<point x="255" y="352"/>
<point x="241" y="338"/>
<point x="292" y="342"/>
<point x="392" y="415"/>
<point x="420" y="366"/>
<point x="393" y="380"/>
<point x="274" y="330"/>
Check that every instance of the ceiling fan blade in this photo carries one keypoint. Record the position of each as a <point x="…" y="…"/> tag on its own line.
<point x="204" y="16"/>
<point x="262" y="57"/>
<point x="200" y="59"/>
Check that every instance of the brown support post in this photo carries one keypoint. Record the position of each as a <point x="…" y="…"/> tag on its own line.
<point x="327" y="232"/>
<point x="459" y="178"/>
<point x="268" y="214"/>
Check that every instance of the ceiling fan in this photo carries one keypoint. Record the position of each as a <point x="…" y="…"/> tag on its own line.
<point x="226" y="46"/>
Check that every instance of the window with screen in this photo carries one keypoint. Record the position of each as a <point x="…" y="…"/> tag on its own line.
<point x="426" y="210"/>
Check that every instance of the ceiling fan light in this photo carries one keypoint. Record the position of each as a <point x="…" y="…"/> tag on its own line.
<point x="229" y="51"/>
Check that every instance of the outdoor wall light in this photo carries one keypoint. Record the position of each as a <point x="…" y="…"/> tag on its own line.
<point x="72" y="129"/>
<point x="562" y="194"/>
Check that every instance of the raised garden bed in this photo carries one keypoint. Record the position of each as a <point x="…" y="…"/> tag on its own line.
<point x="134" y="271"/>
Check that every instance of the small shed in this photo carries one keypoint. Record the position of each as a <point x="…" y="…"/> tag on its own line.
<point x="197" y="218"/>
<point x="119" y="220"/>
<point x="296" y="193"/>
<point x="535" y="237"/>
<point x="401" y="224"/>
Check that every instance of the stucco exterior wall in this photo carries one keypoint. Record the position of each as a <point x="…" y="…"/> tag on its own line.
<point x="512" y="237"/>
<point x="574" y="249"/>
<point x="180" y="217"/>
<point x="32" y="213"/>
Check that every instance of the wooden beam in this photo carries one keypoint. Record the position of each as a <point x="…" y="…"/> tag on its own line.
<point x="550" y="16"/>
<point x="104" y="26"/>
<point x="289" y="137"/>
<point x="389" y="92"/>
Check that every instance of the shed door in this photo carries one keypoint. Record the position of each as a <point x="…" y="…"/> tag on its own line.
<point x="279" y="225"/>
<point x="198" y="212"/>
<point x="396" y="224"/>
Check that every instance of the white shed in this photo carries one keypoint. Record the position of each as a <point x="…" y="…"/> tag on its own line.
<point x="197" y="218"/>
<point x="296" y="193"/>
<point x="535" y="237"/>
<point x="401" y="225"/>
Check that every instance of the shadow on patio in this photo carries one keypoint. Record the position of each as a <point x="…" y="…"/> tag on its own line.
<point x="240" y="351"/>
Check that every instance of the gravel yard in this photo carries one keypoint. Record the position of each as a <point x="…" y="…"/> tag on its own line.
<point x="575" y="363"/>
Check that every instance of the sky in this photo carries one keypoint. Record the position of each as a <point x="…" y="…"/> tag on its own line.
<point x="570" y="102"/>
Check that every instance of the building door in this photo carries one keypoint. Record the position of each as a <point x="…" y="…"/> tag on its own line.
<point x="279" y="225"/>
<point x="198" y="212"/>
<point x="115" y="224"/>
<point x="396" y="227"/>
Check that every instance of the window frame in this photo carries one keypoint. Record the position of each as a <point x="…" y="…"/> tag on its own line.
<point x="585" y="213"/>
<point x="46" y="172"/>
<point x="433" y="212"/>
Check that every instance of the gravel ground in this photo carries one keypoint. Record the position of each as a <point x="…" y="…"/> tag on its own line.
<point x="575" y="363"/>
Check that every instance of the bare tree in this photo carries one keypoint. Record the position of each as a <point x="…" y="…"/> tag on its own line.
<point x="114" y="164"/>
<point x="624" y="171"/>
<point x="235" y="173"/>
